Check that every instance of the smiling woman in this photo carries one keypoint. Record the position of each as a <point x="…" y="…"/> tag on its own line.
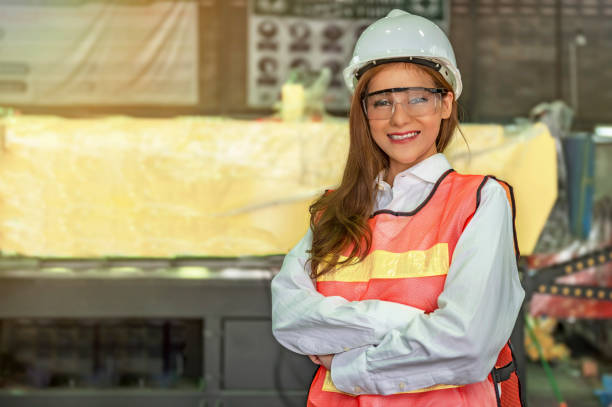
<point x="407" y="134"/>
<point x="405" y="289"/>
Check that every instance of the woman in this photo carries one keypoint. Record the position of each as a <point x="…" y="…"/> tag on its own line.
<point x="405" y="289"/>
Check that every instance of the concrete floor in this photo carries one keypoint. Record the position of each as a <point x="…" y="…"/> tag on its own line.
<point x="576" y="390"/>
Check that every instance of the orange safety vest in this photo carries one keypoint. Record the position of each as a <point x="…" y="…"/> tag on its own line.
<point x="408" y="263"/>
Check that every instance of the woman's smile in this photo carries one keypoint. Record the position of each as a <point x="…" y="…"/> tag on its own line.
<point x="404" y="137"/>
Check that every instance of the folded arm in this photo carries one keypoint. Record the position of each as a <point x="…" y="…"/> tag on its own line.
<point x="459" y="342"/>
<point x="307" y="322"/>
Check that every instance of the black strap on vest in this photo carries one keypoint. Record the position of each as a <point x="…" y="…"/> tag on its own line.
<point x="503" y="373"/>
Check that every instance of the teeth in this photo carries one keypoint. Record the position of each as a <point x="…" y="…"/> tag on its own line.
<point x="404" y="136"/>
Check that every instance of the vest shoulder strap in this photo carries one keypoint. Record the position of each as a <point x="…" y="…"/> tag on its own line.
<point x="510" y="196"/>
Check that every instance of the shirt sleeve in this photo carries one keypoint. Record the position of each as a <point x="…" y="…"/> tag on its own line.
<point x="459" y="342"/>
<point x="307" y="322"/>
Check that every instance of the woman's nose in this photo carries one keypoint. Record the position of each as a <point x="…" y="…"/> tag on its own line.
<point x="399" y="117"/>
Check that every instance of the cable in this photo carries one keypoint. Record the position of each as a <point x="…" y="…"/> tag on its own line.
<point x="545" y="365"/>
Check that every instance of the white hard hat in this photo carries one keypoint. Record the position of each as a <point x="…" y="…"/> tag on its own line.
<point x="401" y="36"/>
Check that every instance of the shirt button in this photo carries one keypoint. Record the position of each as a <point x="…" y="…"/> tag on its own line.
<point x="402" y="386"/>
<point x="357" y="389"/>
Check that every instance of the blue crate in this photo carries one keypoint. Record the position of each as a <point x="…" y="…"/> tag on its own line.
<point x="605" y="395"/>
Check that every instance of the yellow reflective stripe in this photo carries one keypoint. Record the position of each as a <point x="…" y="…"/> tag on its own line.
<point x="383" y="264"/>
<point x="328" y="385"/>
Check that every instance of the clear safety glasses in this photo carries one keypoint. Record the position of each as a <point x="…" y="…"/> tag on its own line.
<point x="381" y="105"/>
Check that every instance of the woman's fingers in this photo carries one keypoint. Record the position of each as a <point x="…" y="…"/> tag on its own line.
<point x="325" y="361"/>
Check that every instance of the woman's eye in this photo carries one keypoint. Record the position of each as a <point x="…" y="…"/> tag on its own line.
<point x="382" y="103"/>
<point x="415" y="101"/>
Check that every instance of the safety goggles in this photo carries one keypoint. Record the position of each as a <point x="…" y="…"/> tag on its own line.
<point x="415" y="101"/>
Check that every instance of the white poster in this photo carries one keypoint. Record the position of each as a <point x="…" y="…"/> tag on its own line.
<point x="60" y="52"/>
<point x="313" y="34"/>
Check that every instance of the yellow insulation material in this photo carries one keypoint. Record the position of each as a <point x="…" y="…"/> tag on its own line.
<point x="203" y="186"/>
<point x="524" y="157"/>
<point x="161" y="187"/>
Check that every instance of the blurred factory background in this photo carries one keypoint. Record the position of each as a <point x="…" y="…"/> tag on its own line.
<point x="157" y="159"/>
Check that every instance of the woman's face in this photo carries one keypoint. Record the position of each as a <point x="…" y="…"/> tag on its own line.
<point x="409" y="135"/>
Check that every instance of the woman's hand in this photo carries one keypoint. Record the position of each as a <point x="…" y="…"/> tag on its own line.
<point x="323" y="360"/>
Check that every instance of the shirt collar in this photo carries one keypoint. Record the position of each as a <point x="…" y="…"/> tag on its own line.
<point x="429" y="170"/>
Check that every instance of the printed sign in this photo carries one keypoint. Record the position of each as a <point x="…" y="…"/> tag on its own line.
<point x="312" y="35"/>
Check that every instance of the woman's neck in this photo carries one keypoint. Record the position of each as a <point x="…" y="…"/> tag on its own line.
<point x="396" y="168"/>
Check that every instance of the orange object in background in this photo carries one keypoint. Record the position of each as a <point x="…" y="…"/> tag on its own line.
<point x="551" y="351"/>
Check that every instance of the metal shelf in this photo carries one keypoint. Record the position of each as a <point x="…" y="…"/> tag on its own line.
<point x="230" y="296"/>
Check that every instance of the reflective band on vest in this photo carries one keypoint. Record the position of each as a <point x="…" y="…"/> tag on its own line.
<point x="328" y="385"/>
<point x="408" y="263"/>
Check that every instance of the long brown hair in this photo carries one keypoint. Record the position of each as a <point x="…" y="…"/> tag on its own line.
<point x="339" y="220"/>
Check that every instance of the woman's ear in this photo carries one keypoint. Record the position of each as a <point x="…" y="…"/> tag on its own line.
<point x="447" y="104"/>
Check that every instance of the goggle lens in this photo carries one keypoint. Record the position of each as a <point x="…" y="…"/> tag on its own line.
<point x="415" y="101"/>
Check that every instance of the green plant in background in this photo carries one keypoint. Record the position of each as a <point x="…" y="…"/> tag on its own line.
<point x="6" y="112"/>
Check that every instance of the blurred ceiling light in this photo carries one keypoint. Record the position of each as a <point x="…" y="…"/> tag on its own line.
<point x="579" y="40"/>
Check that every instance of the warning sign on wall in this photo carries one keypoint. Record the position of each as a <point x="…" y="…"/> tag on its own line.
<point x="312" y="35"/>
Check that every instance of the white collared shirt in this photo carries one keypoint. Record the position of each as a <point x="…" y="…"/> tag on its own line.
<point x="384" y="347"/>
